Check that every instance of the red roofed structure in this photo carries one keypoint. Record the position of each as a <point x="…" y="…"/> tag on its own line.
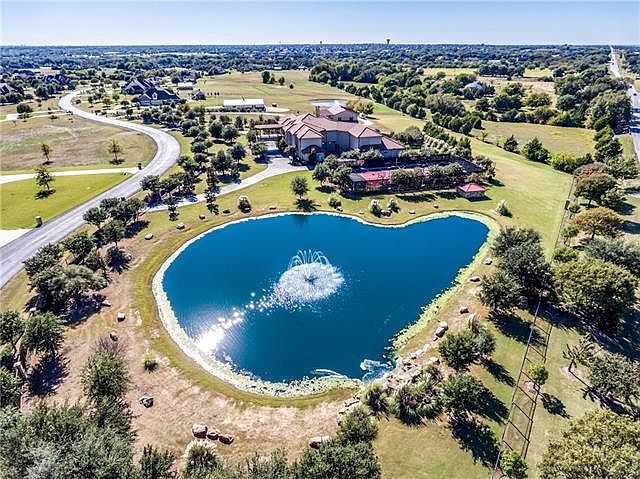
<point x="471" y="190"/>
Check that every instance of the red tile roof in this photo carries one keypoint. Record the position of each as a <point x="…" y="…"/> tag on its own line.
<point x="472" y="188"/>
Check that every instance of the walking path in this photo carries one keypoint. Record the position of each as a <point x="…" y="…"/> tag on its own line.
<point x="14" y="253"/>
<point x="101" y="171"/>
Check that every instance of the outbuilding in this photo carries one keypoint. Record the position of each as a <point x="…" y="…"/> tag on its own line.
<point x="471" y="190"/>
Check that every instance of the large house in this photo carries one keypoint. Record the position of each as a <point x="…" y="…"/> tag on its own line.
<point x="138" y="85"/>
<point x="325" y="133"/>
<point x="157" y="96"/>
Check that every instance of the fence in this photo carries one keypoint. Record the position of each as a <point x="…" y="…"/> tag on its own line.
<point x="517" y="430"/>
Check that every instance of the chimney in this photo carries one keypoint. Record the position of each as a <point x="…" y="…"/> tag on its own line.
<point x="317" y="110"/>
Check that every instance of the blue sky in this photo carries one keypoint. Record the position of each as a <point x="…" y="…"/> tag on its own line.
<point x="214" y="22"/>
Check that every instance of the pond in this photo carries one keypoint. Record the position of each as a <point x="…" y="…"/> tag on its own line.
<point x="292" y="296"/>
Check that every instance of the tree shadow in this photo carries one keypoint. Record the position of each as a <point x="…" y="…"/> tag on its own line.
<point x="416" y="197"/>
<point x="41" y="194"/>
<point x="48" y="374"/>
<point x="631" y="227"/>
<point x="499" y="372"/>
<point x="553" y="405"/>
<point x="490" y="407"/>
<point x="118" y="259"/>
<point x="306" y="204"/>
<point x="513" y="326"/>
<point x="476" y="438"/>
<point x="326" y="189"/>
<point x="447" y="195"/>
<point x="135" y="228"/>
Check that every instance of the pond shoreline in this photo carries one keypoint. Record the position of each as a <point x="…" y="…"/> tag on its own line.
<point x="305" y="386"/>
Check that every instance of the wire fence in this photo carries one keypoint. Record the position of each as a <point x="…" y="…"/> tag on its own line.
<point x="517" y="431"/>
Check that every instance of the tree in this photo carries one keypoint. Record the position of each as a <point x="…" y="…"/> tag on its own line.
<point x="599" y="445"/>
<point x="611" y="108"/>
<point x="617" y="377"/>
<point x="46" y="151"/>
<point x="79" y="245"/>
<point x="513" y="465"/>
<point x="113" y="231"/>
<point x="340" y="177"/>
<point x="500" y="292"/>
<point x="238" y="152"/>
<point x="461" y="394"/>
<point x="299" y="186"/>
<point x="582" y="352"/>
<point x="43" y="177"/>
<point x="534" y="151"/>
<point x="105" y="375"/>
<point x="11" y="327"/>
<point x="569" y="232"/>
<point x="215" y="128"/>
<point x="9" y="388"/>
<point x="538" y="374"/>
<point x="115" y="149"/>
<point x="599" y="221"/>
<point x="528" y="265"/>
<point x="157" y="464"/>
<point x="258" y="149"/>
<point x="459" y="350"/>
<point x="335" y="460"/>
<point x="595" y="186"/>
<point x="151" y="183"/>
<point x="96" y="216"/>
<point x="229" y="133"/>
<point x="376" y="397"/>
<point x="616" y="251"/>
<point x="43" y="333"/>
<point x="267" y="77"/>
<point x="595" y="290"/>
<point x="321" y="173"/>
<point x="512" y="236"/>
<point x="281" y="80"/>
<point x="511" y="144"/>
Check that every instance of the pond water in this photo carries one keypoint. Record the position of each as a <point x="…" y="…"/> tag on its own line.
<point x="287" y="297"/>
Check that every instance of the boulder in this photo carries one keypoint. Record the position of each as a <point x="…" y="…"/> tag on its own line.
<point x="339" y="208"/>
<point x="121" y="316"/>
<point x="435" y="205"/>
<point x="226" y="212"/>
<point x="199" y="431"/>
<point x="443" y="324"/>
<point x="113" y="335"/>
<point x="149" y="237"/>
<point x="146" y="401"/>
<point x="273" y="207"/>
<point x="432" y="361"/>
<point x="106" y="303"/>
<point x="180" y="226"/>
<point x="475" y="279"/>
<point x="213" y="434"/>
<point x="33" y="310"/>
<point x="463" y="309"/>
<point x="439" y="332"/>
<point x="488" y="261"/>
<point x="202" y="217"/>
<point x="316" y="441"/>
<point x="412" y="212"/>
<point x="225" y="438"/>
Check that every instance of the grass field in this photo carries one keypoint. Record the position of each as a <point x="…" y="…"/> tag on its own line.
<point x="249" y="85"/>
<point x="537" y="72"/>
<point x="74" y="142"/>
<point x="449" y="72"/>
<point x="19" y="206"/>
<point x="578" y="141"/>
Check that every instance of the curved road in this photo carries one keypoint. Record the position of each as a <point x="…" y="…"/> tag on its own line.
<point x="13" y="254"/>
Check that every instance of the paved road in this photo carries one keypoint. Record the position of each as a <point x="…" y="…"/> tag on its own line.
<point x="100" y="171"/>
<point x="13" y="254"/>
<point x="634" y="122"/>
<point x="277" y="165"/>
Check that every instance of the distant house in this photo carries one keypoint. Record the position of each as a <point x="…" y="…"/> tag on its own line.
<point x="471" y="190"/>
<point x="5" y="89"/>
<point x="337" y="113"/>
<point x="185" y="85"/>
<point x="157" y="96"/>
<point x="198" y="95"/>
<point x="249" y="104"/>
<point x="138" y="85"/>
<point x="56" y="78"/>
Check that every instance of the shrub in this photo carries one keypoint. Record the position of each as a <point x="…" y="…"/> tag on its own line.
<point x="538" y="373"/>
<point x="574" y="208"/>
<point x="392" y="205"/>
<point x="502" y="209"/>
<point x="376" y="397"/>
<point x="357" y="426"/>
<point x="374" y="208"/>
<point x="458" y="349"/>
<point x="149" y="360"/>
<point x="201" y="458"/>
<point x="513" y="465"/>
<point x="564" y="254"/>
<point x="334" y="201"/>
<point x="244" y="204"/>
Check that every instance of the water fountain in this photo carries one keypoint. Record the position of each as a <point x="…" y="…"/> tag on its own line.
<point x="309" y="277"/>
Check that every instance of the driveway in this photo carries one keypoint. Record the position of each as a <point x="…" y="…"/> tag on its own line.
<point x="13" y="254"/>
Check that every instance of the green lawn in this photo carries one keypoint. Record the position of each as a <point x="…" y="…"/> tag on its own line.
<point x="537" y="72"/>
<point x="555" y="138"/>
<point x="249" y="85"/>
<point x="19" y="206"/>
<point x="627" y="145"/>
<point x="74" y="142"/>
